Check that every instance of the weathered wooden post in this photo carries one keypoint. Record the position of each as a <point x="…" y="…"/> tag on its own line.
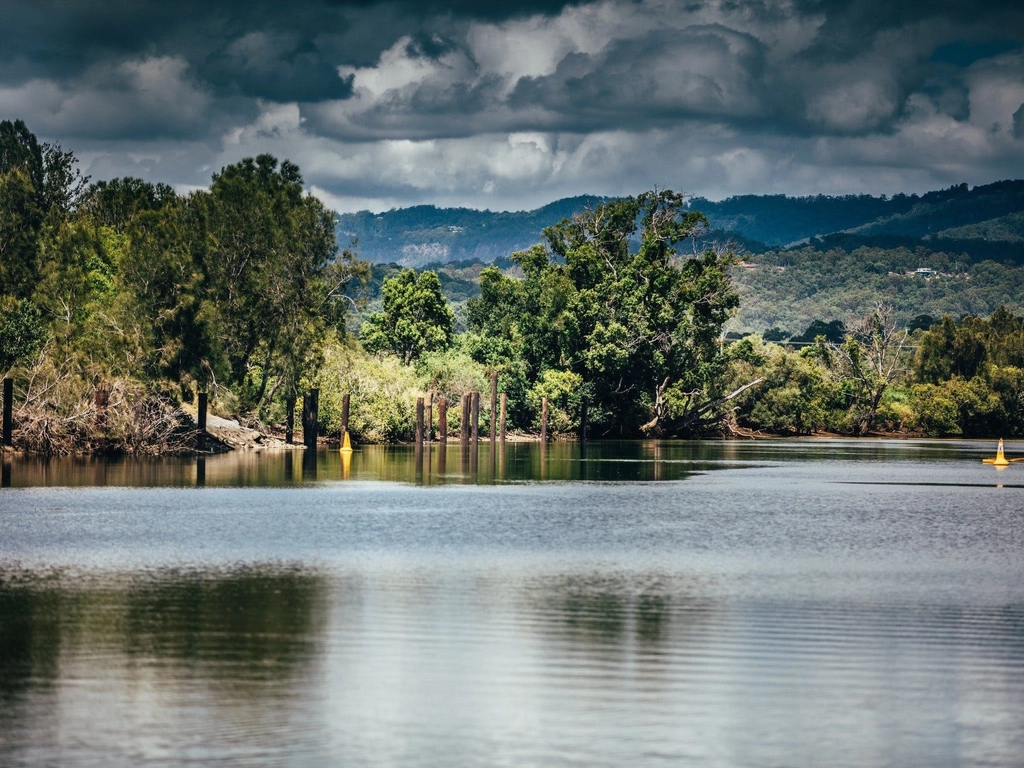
<point x="344" y="416"/>
<point x="8" y="412"/>
<point x="476" y="416"/>
<point x="201" y="416"/>
<point x="504" y="408"/>
<point x="464" y="424"/>
<point x="583" y="420"/>
<point x="430" y="416"/>
<point x="289" y="419"/>
<point x="101" y="399"/>
<point x="544" y="420"/>
<point x="419" y="422"/>
<point x="201" y="423"/>
<point x="494" y="404"/>
<point x="310" y="418"/>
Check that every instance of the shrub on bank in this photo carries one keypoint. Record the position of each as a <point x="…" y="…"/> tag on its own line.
<point x="59" y="412"/>
<point x="383" y="394"/>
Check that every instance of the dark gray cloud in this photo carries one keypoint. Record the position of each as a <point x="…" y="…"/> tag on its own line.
<point x="509" y="103"/>
<point x="667" y="74"/>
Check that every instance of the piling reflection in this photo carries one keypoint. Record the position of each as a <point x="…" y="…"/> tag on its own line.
<point x="474" y="461"/>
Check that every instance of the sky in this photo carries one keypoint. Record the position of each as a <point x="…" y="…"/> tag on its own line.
<point x="509" y="105"/>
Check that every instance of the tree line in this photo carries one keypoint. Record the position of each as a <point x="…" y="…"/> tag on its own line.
<point x="127" y="288"/>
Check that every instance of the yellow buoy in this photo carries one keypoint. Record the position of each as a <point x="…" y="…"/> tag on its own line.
<point x="1000" y="459"/>
<point x="346" y="444"/>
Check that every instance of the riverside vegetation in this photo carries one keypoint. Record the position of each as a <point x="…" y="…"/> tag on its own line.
<point x="121" y="300"/>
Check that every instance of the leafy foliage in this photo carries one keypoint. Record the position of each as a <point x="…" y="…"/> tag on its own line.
<point x="415" y="318"/>
<point x="21" y="331"/>
<point x="234" y="289"/>
<point x="144" y="295"/>
<point x="639" y="327"/>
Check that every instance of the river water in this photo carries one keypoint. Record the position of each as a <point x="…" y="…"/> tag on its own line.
<point x="796" y="603"/>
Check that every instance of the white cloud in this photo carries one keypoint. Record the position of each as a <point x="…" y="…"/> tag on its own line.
<point x="151" y="96"/>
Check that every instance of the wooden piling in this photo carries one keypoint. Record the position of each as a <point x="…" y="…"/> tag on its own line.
<point x="289" y="420"/>
<point x="201" y="416"/>
<point x="504" y="408"/>
<point x="101" y="399"/>
<point x="310" y="418"/>
<point x="419" y="422"/>
<point x="201" y="421"/>
<point x="344" y="416"/>
<point x="494" y="404"/>
<point x="464" y="424"/>
<point x="430" y="416"/>
<point x="8" y="436"/>
<point x="442" y="420"/>
<point x="476" y="416"/>
<point x="544" y="420"/>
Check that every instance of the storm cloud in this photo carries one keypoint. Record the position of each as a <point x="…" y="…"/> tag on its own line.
<point x="512" y="104"/>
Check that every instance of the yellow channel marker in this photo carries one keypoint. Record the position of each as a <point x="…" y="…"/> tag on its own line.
<point x="1000" y="460"/>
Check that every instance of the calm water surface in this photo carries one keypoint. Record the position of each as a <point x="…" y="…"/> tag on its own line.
<point x="797" y="603"/>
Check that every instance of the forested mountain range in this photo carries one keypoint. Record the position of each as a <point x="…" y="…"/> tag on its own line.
<point x="983" y="222"/>
<point x="426" y="234"/>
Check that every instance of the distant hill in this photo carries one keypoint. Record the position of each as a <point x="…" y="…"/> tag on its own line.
<point x="778" y="221"/>
<point x="984" y="222"/>
<point x="426" y="234"/>
<point x="1004" y="229"/>
<point x="955" y="207"/>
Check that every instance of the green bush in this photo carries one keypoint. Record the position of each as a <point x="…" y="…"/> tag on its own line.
<point x="562" y="389"/>
<point x="383" y="394"/>
<point x="956" y="407"/>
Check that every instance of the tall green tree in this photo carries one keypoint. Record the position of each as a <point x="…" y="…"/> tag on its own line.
<point x="35" y="180"/>
<point x="611" y="300"/>
<point x="21" y="219"/>
<point x="267" y="259"/>
<point x="116" y="202"/>
<point x="415" y="317"/>
<point x="169" y="302"/>
<point x="21" y="331"/>
<point x="949" y="350"/>
<point x="56" y="180"/>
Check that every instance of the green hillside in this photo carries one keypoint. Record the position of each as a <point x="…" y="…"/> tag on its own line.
<point x="977" y="221"/>
<point x="790" y="289"/>
<point x="426" y="234"/>
<point x="955" y="207"/>
<point x="1004" y="229"/>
